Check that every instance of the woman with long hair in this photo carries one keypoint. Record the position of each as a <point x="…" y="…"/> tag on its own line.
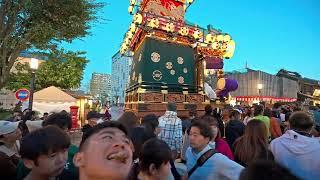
<point x="253" y="144"/>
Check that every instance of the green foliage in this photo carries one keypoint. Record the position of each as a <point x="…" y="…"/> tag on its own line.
<point x="41" y="25"/>
<point x="62" y="69"/>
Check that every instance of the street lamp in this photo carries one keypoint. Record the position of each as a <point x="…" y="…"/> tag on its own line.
<point x="34" y="64"/>
<point x="260" y="86"/>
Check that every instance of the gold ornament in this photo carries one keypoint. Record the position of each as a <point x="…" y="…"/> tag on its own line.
<point x="185" y="70"/>
<point x="169" y="65"/>
<point x="154" y="23"/>
<point x="169" y="27"/>
<point x="184" y="31"/>
<point x="155" y="57"/>
<point x="181" y="80"/>
<point x="157" y="75"/>
<point x="180" y="60"/>
<point x="197" y="34"/>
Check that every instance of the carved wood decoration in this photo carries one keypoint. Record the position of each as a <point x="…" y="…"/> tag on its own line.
<point x="152" y="97"/>
<point x="175" y="98"/>
<point x="194" y="98"/>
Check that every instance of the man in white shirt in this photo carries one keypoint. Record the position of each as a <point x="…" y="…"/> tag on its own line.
<point x="297" y="150"/>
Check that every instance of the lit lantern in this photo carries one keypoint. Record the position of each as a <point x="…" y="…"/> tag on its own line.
<point x="127" y="41"/>
<point x="184" y="31"/>
<point x="220" y="38"/>
<point x="215" y="45"/>
<point x="226" y="38"/>
<point x="129" y="35"/>
<point x="130" y="9"/>
<point x="137" y="18"/>
<point x="209" y="39"/>
<point x="132" y="2"/>
<point x="154" y="23"/>
<point x="133" y="27"/>
<point x="121" y="51"/>
<point x="224" y="46"/>
<point x="230" y="50"/>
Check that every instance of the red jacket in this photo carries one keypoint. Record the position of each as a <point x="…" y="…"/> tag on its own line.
<point x="223" y="148"/>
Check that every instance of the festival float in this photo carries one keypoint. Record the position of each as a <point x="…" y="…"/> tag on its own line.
<point x="174" y="61"/>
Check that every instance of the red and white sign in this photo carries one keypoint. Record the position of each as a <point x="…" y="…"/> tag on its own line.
<point x="264" y="98"/>
<point x="22" y="94"/>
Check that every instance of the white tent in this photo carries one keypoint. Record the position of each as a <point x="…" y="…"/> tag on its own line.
<point x="52" y="99"/>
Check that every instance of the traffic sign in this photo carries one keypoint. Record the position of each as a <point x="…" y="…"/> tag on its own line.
<point x="22" y="94"/>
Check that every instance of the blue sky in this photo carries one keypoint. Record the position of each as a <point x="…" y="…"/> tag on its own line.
<point x="269" y="34"/>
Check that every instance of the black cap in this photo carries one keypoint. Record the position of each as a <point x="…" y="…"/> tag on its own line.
<point x="93" y="114"/>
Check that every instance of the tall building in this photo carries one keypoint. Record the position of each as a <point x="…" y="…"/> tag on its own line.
<point x="100" y="85"/>
<point x="121" y="66"/>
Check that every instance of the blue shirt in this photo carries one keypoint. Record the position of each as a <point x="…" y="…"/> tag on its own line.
<point x="217" y="166"/>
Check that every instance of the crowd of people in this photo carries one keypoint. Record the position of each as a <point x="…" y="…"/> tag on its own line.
<point x="242" y="142"/>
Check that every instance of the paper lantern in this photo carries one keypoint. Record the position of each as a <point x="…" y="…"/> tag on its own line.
<point x="209" y="39"/>
<point x="130" y="9"/>
<point x="220" y="38"/>
<point x="133" y="27"/>
<point x="215" y="45"/>
<point x="137" y="18"/>
<point x="132" y="2"/>
<point x="226" y="38"/>
<point x="230" y="49"/>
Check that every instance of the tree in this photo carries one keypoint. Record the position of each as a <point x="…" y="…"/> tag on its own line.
<point x="62" y="69"/>
<point x="42" y="25"/>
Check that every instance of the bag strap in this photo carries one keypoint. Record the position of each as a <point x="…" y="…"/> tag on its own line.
<point x="203" y="158"/>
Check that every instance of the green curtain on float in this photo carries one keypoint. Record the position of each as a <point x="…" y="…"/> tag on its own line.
<point x="163" y="62"/>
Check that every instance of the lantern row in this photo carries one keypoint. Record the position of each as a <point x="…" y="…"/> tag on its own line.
<point x="220" y="42"/>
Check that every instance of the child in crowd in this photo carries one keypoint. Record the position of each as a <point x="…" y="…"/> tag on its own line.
<point x="45" y="152"/>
